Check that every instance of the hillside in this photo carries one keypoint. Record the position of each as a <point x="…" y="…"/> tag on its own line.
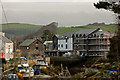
<point x="52" y="27"/>
<point x="26" y="29"/>
<point x="19" y="28"/>
<point x="110" y="28"/>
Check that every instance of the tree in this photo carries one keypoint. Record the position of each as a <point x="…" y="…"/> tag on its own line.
<point x="115" y="41"/>
<point x="47" y="35"/>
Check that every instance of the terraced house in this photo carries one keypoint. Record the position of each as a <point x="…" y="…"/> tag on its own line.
<point x="91" y="42"/>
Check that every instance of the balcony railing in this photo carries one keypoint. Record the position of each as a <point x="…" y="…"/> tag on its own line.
<point x="99" y="50"/>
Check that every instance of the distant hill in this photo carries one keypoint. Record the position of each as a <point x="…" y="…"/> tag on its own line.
<point x="110" y="28"/>
<point x="20" y="30"/>
<point x="52" y="27"/>
<point x="96" y="24"/>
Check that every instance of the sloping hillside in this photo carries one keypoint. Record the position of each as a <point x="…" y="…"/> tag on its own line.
<point x="110" y="27"/>
<point x="27" y="29"/>
<point x="19" y="28"/>
<point x="52" y="27"/>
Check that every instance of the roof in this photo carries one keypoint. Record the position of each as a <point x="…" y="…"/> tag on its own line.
<point x="27" y="42"/>
<point x="48" y="42"/>
<point x="5" y="39"/>
<point x="83" y="31"/>
<point x="86" y="31"/>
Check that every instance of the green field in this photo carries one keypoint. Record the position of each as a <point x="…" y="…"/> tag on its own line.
<point x="20" y="29"/>
<point x="25" y="29"/>
<point x="111" y="28"/>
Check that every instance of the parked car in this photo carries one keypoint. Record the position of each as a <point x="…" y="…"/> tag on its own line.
<point x="12" y="77"/>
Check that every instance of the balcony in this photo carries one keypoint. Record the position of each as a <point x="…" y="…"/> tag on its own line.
<point x="99" y="44"/>
<point x="79" y="44"/>
<point x="99" y="38"/>
<point x="99" y="50"/>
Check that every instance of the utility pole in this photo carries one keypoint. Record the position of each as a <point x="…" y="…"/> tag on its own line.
<point x="15" y="56"/>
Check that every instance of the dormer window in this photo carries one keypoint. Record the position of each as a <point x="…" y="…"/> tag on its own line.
<point x="94" y="35"/>
<point x="80" y="35"/>
<point x="73" y="35"/>
<point x="84" y="35"/>
<point x="77" y="35"/>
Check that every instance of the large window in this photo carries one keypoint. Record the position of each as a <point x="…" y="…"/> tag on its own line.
<point x="66" y="40"/>
<point x="61" y="45"/>
<point x="36" y="45"/>
<point x="66" y="46"/>
<point x="77" y="35"/>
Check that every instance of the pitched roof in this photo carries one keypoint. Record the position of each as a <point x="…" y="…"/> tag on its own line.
<point x="27" y="42"/>
<point x="86" y="31"/>
<point x="81" y="31"/>
<point x="5" y="39"/>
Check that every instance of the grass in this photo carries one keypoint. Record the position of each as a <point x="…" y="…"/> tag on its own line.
<point x="25" y="29"/>
<point x="20" y="29"/>
<point x="110" y="28"/>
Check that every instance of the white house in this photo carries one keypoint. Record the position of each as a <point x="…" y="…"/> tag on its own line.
<point x="6" y="48"/>
<point x="65" y="44"/>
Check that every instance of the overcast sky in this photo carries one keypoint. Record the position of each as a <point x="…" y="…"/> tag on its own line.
<point x="68" y="13"/>
<point x="49" y="0"/>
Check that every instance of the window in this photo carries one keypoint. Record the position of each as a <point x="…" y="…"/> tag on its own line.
<point x="101" y="35"/>
<point x="36" y="48"/>
<point x="77" y="40"/>
<point x="36" y="42"/>
<point x="77" y="35"/>
<point x="94" y="35"/>
<point x="8" y="46"/>
<point x="36" y="45"/>
<point x="84" y="35"/>
<point x="61" y="45"/>
<point x="66" y="46"/>
<point x="58" y="45"/>
<point x="66" y="40"/>
<point x="28" y="48"/>
<point x="80" y="35"/>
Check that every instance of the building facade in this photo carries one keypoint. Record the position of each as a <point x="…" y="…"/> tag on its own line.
<point x="31" y="47"/>
<point x="65" y="44"/>
<point x="6" y="48"/>
<point x="48" y="45"/>
<point x="90" y="42"/>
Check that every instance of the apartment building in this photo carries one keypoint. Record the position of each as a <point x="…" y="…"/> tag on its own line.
<point x="91" y="42"/>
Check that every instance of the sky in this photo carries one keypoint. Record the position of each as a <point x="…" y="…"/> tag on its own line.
<point x="69" y="13"/>
<point x="49" y="0"/>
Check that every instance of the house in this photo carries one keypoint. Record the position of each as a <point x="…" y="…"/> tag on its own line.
<point x="31" y="47"/>
<point x="91" y="42"/>
<point x="6" y="48"/>
<point x="65" y="43"/>
<point x="55" y="42"/>
<point x="48" y="45"/>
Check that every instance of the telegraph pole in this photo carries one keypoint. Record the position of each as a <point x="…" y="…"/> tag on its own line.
<point x="15" y="56"/>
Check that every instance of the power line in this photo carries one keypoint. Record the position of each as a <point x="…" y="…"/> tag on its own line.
<point x="4" y="13"/>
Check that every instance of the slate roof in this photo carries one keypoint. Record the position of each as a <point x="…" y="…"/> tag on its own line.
<point x="27" y="42"/>
<point x="83" y="31"/>
<point x="66" y="34"/>
<point x="5" y="39"/>
<point x="86" y="31"/>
